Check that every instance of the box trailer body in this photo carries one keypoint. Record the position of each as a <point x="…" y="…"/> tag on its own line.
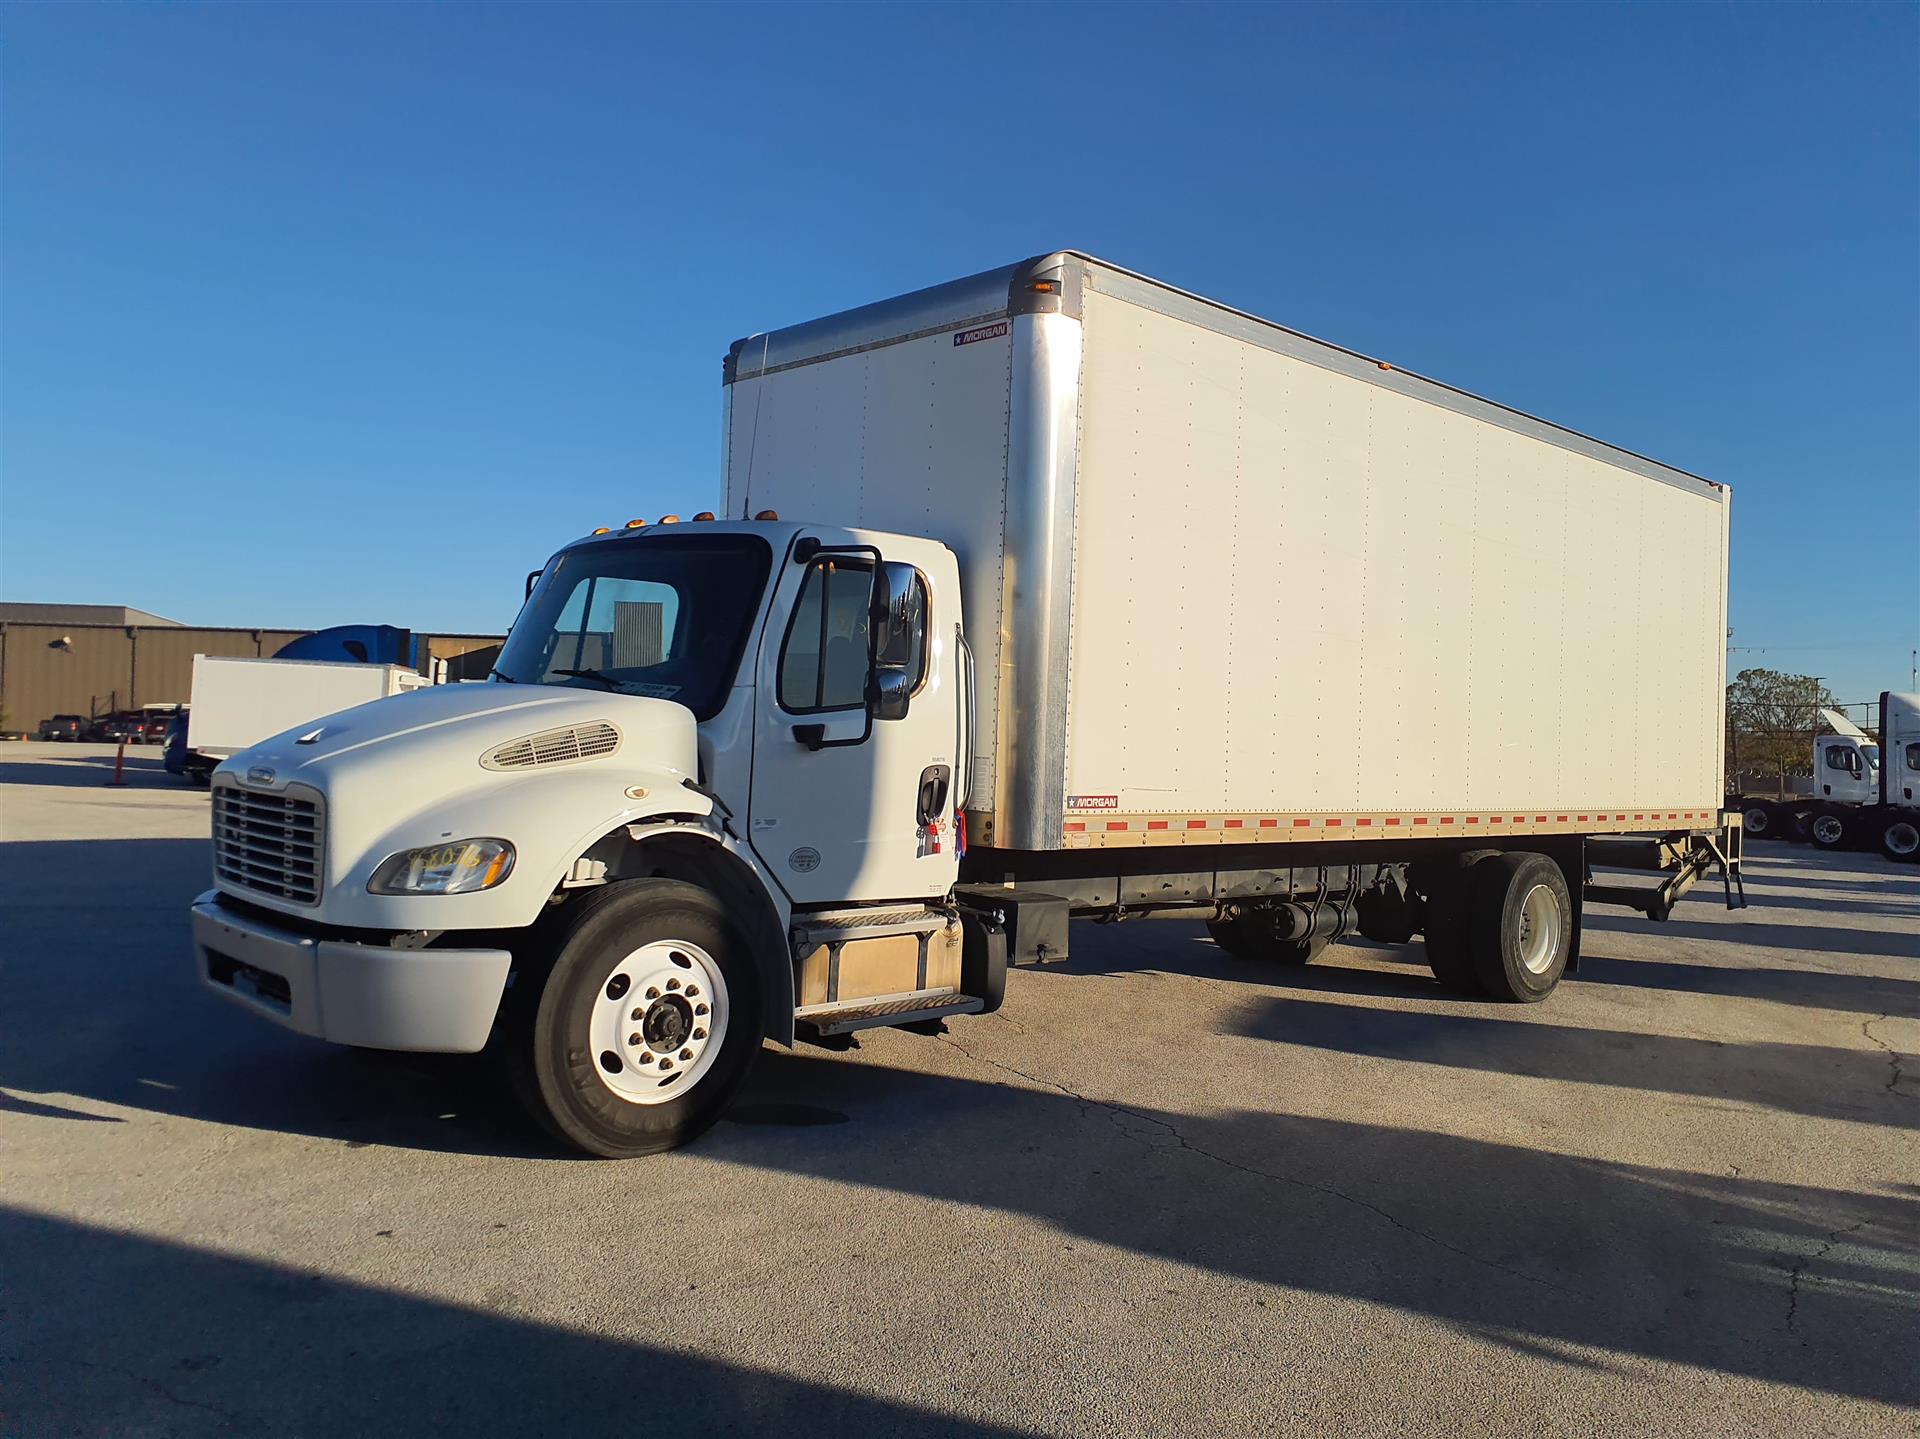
<point x="1230" y="584"/>
<point x="1051" y="593"/>
<point x="239" y="702"/>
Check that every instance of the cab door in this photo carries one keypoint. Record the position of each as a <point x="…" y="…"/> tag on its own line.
<point x="849" y="806"/>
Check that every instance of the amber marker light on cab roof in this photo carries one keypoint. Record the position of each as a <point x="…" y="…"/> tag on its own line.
<point x="669" y="519"/>
<point x="636" y="524"/>
<point x="768" y="515"/>
<point x="704" y="515"/>
<point x="603" y="530"/>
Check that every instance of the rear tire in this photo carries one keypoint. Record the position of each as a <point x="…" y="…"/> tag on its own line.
<point x="1760" y="823"/>
<point x="1900" y="839"/>
<point x="1447" y="885"/>
<point x="1522" y="928"/>
<point x="644" y="946"/>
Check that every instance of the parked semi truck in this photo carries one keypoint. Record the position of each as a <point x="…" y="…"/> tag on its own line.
<point x="1865" y="791"/>
<point x="1052" y="592"/>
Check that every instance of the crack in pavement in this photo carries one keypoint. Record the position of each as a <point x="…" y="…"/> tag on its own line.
<point x="1116" y="1112"/>
<point x="232" y="1416"/>
<point x="1893" y="1056"/>
<point x="1800" y="1268"/>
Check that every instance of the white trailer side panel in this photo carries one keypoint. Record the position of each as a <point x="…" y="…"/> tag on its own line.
<point x="239" y="702"/>
<point x="909" y="437"/>
<point x="1297" y="592"/>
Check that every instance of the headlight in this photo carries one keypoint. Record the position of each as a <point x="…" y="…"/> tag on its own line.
<point x="459" y="866"/>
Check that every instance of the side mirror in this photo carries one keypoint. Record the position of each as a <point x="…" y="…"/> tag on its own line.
<point x="532" y="580"/>
<point x="888" y="694"/>
<point x="894" y="616"/>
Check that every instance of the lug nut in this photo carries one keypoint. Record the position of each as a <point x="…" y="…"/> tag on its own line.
<point x="673" y="984"/>
<point x="639" y="1014"/>
<point x="652" y="993"/>
<point x="686" y="1054"/>
<point x="633" y="1039"/>
<point x="699" y="1034"/>
<point x="666" y="1064"/>
<point x="646" y="1056"/>
<point x="692" y="990"/>
<point x="699" y="1009"/>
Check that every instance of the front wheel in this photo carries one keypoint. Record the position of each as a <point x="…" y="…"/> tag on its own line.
<point x="1827" y="831"/>
<point x="635" y="1023"/>
<point x="1900" y="839"/>
<point x="1759" y="822"/>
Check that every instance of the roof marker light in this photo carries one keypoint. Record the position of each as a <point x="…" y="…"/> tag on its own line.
<point x="768" y="515"/>
<point x="669" y="519"/>
<point x="704" y="515"/>
<point x="636" y="524"/>
<point x="603" y="530"/>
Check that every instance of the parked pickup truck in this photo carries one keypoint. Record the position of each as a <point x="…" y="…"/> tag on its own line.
<point x="1050" y="592"/>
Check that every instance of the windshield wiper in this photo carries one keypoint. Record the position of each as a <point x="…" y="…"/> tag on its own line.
<point x="504" y="679"/>
<point x="606" y="679"/>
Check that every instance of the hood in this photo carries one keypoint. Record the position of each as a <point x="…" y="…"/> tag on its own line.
<point x="429" y="765"/>
<point x="445" y="724"/>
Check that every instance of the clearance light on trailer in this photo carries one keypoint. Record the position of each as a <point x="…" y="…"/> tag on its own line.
<point x="768" y="515"/>
<point x="704" y="515"/>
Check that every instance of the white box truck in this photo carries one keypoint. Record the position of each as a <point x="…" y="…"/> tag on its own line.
<point x="1050" y="592"/>
<point x="237" y="702"/>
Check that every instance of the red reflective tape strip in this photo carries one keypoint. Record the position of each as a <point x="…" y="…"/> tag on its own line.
<point x="1560" y="819"/>
<point x="1075" y="827"/>
<point x="1235" y="823"/>
<point x="1539" y="819"/>
<point x="1420" y="819"/>
<point x="1334" y="823"/>
<point x="1473" y="819"/>
<point x="1301" y="823"/>
<point x="1268" y="823"/>
<point x="1156" y="824"/>
<point x="1391" y="821"/>
<point x="1114" y="824"/>
<point x="1583" y="819"/>
<point x="1519" y="819"/>
<point x="1196" y="824"/>
<point x="1362" y="823"/>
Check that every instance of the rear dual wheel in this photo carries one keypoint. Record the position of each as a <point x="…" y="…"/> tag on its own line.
<point x="1900" y="839"/>
<point x="1498" y="924"/>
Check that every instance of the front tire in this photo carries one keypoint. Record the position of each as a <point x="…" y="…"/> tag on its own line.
<point x="1900" y="839"/>
<point x="1759" y="822"/>
<point x="1828" y="830"/>
<point x="637" y="1020"/>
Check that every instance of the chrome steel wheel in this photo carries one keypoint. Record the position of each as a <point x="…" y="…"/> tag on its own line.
<point x="1539" y="929"/>
<point x="658" y="1022"/>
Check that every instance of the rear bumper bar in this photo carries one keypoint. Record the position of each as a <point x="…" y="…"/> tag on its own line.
<point x="440" y="1000"/>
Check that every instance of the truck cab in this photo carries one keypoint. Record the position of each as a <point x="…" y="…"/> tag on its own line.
<point x="764" y="725"/>
<point x="1847" y="769"/>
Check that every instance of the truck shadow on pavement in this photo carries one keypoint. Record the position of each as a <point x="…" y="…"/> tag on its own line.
<point x="128" y="1335"/>
<point x="146" y="771"/>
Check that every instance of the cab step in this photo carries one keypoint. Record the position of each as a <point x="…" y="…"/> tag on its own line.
<point x="879" y="1013"/>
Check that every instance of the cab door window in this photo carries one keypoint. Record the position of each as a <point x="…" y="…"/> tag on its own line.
<point x="823" y="664"/>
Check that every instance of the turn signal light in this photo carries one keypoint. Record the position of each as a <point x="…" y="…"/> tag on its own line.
<point x="768" y="515"/>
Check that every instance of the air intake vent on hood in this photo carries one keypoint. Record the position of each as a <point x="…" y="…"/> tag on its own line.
<point x="555" y="746"/>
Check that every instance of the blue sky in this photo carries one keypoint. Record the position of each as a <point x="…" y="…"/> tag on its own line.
<point x="317" y="313"/>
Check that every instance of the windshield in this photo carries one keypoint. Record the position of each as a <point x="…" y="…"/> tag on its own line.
<point x="1872" y="752"/>
<point x="665" y="616"/>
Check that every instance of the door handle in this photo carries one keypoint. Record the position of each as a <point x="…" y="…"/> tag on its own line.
<point x="935" y="780"/>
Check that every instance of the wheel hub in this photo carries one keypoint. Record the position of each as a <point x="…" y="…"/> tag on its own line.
<point x="658" y="1021"/>
<point x="1539" y="929"/>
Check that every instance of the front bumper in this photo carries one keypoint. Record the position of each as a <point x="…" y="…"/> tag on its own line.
<point x="440" y="1000"/>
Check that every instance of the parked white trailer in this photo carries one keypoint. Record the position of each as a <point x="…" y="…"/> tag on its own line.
<point x="1054" y="591"/>
<point x="236" y="702"/>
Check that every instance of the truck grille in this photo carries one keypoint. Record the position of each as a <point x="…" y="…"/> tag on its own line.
<point x="269" y="842"/>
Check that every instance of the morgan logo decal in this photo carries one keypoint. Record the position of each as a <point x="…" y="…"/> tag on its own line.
<point x="804" y="860"/>
<point x="1093" y="801"/>
<point x="982" y="332"/>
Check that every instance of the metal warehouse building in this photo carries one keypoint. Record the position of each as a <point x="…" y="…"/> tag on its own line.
<point x="93" y="659"/>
